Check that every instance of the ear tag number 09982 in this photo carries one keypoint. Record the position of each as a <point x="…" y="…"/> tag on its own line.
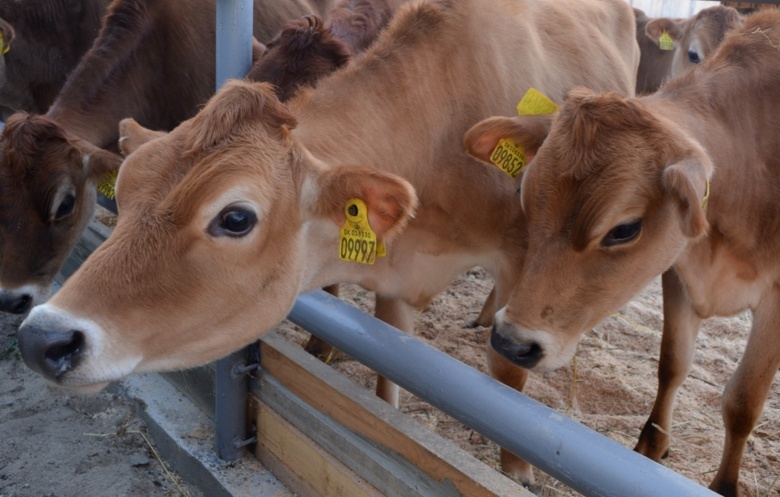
<point x="358" y="242"/>
<point x="510" y="156"/>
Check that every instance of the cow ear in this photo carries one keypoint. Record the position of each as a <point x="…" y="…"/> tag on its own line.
<point x="7" y="34"/>
<point x="656" y="27"/>
<point x="688" y="181"/>
<point x="258" y="51"/>
<point x="527" y="131"/>
<point x="391" y="200"/>
<point x="98" y="162"/>
<point x="132" y="135"/>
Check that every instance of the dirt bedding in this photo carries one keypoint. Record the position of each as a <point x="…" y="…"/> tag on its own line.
<point x="53" y="444"/>
<point x="611" y="389"/>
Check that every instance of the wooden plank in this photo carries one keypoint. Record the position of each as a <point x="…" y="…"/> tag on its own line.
<point x="361" y="412"/>
<point x="300" y="464"/>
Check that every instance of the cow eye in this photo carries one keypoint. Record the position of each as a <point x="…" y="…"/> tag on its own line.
<point x="622" y="233"/>
<point x="234" y="221"/>
<point x="693" y="56"/>
<point x="66" y="207"/>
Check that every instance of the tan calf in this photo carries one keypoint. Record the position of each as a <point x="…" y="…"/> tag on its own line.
<point x="682" y="183"/>
<point x="693" y="39"/>
<point x="225" y="220"/>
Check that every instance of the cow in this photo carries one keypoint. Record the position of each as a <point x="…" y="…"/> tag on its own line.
<point x="681" y="183"/>
<point x="308" y="48"/>
<point x="304" y="51"/>
<point x="655" y="65"/>
<point x="42" y="41"/>
<point x="154" y="61"/>
<point x="224" y="221"/>
<point x="693" y="40"/>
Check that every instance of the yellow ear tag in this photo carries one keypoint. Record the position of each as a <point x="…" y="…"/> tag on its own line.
<point x="508" y="155"/>
<point x="706" y="197"/>
<point x="665" y="41"/>
<point x="358" y="242"/>
<point x="3" y="47"/>
<point x="106" y="185"/>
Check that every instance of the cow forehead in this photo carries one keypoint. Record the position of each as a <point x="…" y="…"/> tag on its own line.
<point x="162" y="175"/>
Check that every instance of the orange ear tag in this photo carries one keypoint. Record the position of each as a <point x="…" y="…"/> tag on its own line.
<point x="106" y="185"/>
<point x="358" y="242"/>
<point x="510" y="156"/>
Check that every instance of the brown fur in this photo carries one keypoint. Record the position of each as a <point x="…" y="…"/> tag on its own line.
<point x="655" y="65"/>
<point x="141" y="44"/>
<point x="47" y="39"/>
<point x="383" y="128"/>
<point x="701" y="34"/>
<point x="610" y="161"/>
<point x="302" y="53"/>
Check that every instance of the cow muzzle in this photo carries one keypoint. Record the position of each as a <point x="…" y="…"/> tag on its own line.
<point x="15" y="303"/>
<point x="51" y="353"/>
<point x="526" y="354"/>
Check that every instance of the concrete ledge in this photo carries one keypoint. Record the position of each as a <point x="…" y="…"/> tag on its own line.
<point x="184" y="436"/>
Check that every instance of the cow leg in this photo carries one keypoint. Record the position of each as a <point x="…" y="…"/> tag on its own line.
<point x="489" y="309"/>
<point x="318" y="347"/>
<point x="681" y="325"/>
<point x="397" y="313"/>
<point x="515" y="377"/>
<point x="746" y="392"/>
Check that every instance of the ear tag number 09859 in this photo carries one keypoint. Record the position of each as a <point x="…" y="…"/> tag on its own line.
<point x="510" y="156"/>
<point x="358" y="242"/>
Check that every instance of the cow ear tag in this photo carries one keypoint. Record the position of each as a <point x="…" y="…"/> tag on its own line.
<point x="665" y="41"/>
<point x="3" y="47"/>
<point x="508" y="155"/>
<point x="357" y="241"/>
<point x="106" y="185"/>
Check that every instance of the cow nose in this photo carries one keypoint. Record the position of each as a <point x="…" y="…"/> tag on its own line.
<point x="50" y="353"/>
<point x="15" y="303"/>
<point x="524" y="354"/>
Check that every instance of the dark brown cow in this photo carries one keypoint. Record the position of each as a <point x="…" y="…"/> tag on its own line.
<point x="154" y="61"/>
<point x="655" y="65"/>
<point x="303" y="52"/>
<point x="225" y="220"/>
<point x="682" y="183"/>
<point x="44" y="39"/>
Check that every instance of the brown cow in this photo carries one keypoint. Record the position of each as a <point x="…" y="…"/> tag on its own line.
<point x="655" y="65"/>
<point x="141" y="66"/>
<point x="682" y="183"/>
<point x="307" y="49"/>
<point x="45" y="39"/>
<point x="694" y="40"/>
<point x="225" y="220"/>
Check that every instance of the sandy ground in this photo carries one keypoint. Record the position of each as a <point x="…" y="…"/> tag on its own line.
<point x="612" y="389"/>
<point x="56" y="445"/>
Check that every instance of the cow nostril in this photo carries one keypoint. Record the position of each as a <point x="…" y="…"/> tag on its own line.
<point x="529" y="349"/>
<point x="24" y="304"/>
<point x="524" y="354"/>
<point x="60" y="356"/>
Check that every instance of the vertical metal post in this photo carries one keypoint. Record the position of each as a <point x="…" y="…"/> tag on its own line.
<point x="234" y="59"/>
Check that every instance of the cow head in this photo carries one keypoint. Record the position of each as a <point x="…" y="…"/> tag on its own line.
<point x="303" y="52"/>
<point x="696" y="38"/>
<point x="612" y="197"/>
<point x="212" y="243"/>
<point x="47" y="197"/>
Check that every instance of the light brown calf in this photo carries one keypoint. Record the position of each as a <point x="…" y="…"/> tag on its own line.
<point x="682" y="183"/>
<point x="225" y="220"/>
<point x="694" y="39"/>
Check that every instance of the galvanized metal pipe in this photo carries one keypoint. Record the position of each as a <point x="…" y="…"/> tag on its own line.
<point x="576" y="455"/>
<point x="234" y="59"/>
